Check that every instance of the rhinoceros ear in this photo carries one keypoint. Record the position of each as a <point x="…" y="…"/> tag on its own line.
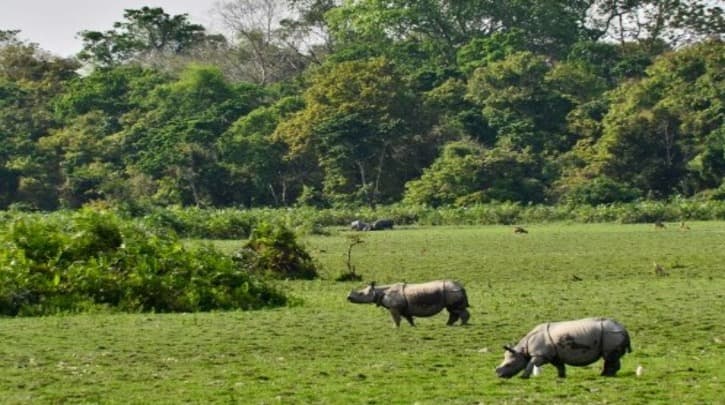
<point x="508" y="348"/>
<point x="372" y="284"/>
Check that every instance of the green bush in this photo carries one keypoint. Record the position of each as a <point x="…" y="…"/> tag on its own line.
<point x="601" y="190"/>
<point x="273" y="249"/>
<point x="67" y="262"/>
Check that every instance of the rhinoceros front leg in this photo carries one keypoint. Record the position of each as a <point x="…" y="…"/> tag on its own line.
<point x="397" y="316"/>
<point x="452" y="317"/>
<point x="535" y="361"/>
<point x="560" y="368"/>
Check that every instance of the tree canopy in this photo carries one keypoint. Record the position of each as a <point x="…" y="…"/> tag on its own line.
<point x="372" y="102"/>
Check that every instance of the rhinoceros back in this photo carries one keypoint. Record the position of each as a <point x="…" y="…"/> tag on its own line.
<point x="583" y="341"/>
<point x="428" y="299"/>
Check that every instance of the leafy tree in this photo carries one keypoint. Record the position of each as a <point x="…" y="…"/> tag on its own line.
<point x="270" y="45"/>
<point x="467" y="173"/>
<point x="145" y="33"/>
<point x="456" y="116"/>
<point x="599" y="190"/>
<point x="676" y="22"/>
<point x="88" y="161"/>
<point x="173" y="141"/>
<point x="29" y="80"/>
<point x="113" y="92"/>
<point x="611" y="62"/>
<point x="359" y="122"/>
<point x="663" y="134"/>
<point x="521" y="102"/>
<point x="442" y="27"/>
<point x="259" y="173"/>
<point x="481" y="51"/>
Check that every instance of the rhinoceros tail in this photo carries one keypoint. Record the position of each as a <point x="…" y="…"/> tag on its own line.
<point x="465" y="298"/>
<point x="627" y="344"/>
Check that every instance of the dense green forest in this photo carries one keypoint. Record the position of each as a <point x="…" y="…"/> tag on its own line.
<point x="346" y="103"/>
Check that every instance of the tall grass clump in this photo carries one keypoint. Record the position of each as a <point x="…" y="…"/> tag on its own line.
<point x="73" y="262"/>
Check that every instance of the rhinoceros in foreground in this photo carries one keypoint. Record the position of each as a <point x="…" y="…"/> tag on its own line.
<point x="409" y="300"/>
<point x="576" y="343"/>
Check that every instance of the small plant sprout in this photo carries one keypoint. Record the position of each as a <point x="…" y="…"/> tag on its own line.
<point x="350" y="275"/>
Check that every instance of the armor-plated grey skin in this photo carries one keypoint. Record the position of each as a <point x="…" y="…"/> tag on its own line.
<point x="358" y="225"/>
<point x="378" y="225"/>
<point x="576" y="343"/>
<point x="408" y="300"/>
<point x="381" y="224"/>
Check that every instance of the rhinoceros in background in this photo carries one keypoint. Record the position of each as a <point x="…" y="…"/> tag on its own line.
<point x="381" y="224"/>
<point x="378" y="225"/>
<point x="409" y="300"/>
<point x="576" y="343"/>
<point x="358" y="225"/>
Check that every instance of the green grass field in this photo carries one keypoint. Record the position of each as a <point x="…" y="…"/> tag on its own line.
<point x="326" y="350"/>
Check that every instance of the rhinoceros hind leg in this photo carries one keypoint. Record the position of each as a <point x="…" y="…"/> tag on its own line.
<point x="409" y="319"/>
<point x="452" y="317"/>
<point x="611" y="365"/>
<point x="465" y="316"/>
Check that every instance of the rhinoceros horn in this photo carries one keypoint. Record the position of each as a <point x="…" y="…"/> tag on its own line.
<point x="508" y="348"/>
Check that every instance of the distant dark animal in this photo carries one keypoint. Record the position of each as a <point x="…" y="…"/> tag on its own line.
<point x="378" y="225"/>
<point x="520" y="229"/>
<point x="659" y="225"/>
<point x="381" y="224"/>
<point x="576" y="343"/>
<point x="660" y="270"/>
<point x="408" y="300"/>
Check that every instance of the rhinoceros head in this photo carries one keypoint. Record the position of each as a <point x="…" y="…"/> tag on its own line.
<point x="513" y="362"/>
<point x="365" y="295"/>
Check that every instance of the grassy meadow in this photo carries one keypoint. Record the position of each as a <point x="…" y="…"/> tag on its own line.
<point x="323" y="349"/>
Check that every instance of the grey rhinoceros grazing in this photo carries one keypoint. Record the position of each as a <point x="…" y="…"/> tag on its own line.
<point x="358" y="225"/>
<point x="409" y="300"/>
<point x="382" y="224"/>
<point x="576" y="343"/>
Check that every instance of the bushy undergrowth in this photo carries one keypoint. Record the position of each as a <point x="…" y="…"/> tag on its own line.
<point x="273" y="249"/>
<point x="89" y="259"/>
<point x="239" y="223"/>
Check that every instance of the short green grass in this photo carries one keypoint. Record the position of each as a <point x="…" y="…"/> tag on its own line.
<point x="326" y="350"/>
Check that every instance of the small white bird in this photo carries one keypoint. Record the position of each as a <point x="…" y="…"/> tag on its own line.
<point x="639" y="370"/>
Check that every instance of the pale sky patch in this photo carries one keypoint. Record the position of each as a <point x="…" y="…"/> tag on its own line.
<point x="54" y="24"/>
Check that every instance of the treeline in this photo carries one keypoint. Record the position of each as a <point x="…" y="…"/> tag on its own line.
<point x="342" y="104"/>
